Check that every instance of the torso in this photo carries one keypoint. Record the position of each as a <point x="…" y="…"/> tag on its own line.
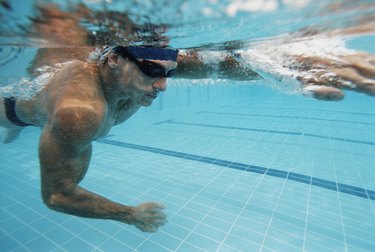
<point x="84" y="90"/>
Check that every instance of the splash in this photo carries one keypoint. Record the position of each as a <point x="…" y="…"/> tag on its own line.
<point x="279" y="61"/>
<point x="262" y="5"/>
<point x="25" y="88"/>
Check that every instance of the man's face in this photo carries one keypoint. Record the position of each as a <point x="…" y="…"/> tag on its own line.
<point x="142" y="89"/>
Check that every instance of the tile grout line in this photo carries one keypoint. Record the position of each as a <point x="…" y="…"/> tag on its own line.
<point x="183" y="206"/>
<point x="242" y="210"/>
<point x="339" y="200"/>
<point x="278" y="199"/>
<point x="308" y="205"/>
<point x="355" y="191"/>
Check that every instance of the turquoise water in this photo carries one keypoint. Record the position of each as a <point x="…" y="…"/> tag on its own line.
<point x="240" y="166"/>
<point x="239" y="169"/>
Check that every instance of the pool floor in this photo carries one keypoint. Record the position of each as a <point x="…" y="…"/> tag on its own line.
<point x="269" y="172"/>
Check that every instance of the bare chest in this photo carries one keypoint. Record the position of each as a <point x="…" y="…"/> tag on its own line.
<point x="124" y="110"/>
<point x="117" y="115"/>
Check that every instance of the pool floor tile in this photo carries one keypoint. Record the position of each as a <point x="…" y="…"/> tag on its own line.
<point x="280" y="174"/>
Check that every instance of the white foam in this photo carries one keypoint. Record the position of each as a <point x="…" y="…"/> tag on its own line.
<point x="262" y="5"/>
<point x="94" y="55"/>
<point x="25" y="87"/>
<point x="211" y="57"/>
<point x="276" y="60"/>
<point x="28" y="87"/>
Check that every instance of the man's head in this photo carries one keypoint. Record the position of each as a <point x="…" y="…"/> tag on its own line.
<point x="140" y="72"/>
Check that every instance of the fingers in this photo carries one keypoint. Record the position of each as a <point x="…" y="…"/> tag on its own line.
<point x="152" y="225"/>
<point x="323" y="92"/>
<point x="149" y="216"/>
<point x="355" y="72"/>
<point x="151" y="205"/>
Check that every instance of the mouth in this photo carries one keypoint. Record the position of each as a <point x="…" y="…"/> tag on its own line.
<point x="152" y="96"/>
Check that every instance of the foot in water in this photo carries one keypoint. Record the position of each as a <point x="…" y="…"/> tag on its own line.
<point x="9" y="135"/>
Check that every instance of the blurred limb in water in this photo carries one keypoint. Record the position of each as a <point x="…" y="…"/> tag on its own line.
<point x="323" y="69"/>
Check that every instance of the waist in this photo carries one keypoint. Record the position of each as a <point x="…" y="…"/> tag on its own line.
<point x="10" y="110"/>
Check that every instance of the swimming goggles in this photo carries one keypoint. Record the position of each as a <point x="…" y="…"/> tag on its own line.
<point x="149" y="68"/>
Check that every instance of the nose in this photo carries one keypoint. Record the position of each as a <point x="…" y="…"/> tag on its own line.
<point x="160" y="84"/>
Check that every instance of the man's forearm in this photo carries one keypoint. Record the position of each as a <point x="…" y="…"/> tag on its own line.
<point x="147" y="217"/>
<point x="81" y="202"/>
<point x="199" y="65"/>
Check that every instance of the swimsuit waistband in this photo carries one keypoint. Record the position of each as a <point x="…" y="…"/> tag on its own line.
<point x="10" y="110"/>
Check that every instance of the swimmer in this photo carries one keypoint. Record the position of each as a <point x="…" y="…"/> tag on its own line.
<point x="81" y="103"/>
<point x="85" y="99"/>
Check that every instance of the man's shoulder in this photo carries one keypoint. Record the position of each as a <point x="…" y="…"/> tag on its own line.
<point x="81" y="121"/>
<point x="77" y="79"/>
<point x="78" y="65"/>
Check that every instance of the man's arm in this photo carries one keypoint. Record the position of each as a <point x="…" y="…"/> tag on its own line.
<point x="194" y="64"/>
<point x="64" y="153"/>
<point x="326" y="79"/>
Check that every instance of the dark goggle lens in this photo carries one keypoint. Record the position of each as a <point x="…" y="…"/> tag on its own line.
<point x="154" y="70"/>
<point x="171" y="72"/>
<point x="149" y="68"/>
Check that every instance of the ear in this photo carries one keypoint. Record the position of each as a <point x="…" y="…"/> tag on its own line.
<point x="112" y="60"/>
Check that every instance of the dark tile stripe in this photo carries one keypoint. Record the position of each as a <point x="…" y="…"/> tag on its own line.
<point x="343" y="188"/>
<point x="270" y="131"/>
<point x="305" y="109"/>
<point x="288" y="117"/>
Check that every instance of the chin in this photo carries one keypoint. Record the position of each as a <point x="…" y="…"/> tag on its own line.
<point x="146" y="103"/>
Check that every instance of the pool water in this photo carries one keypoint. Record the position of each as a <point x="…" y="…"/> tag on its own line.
<point x="239" y="167"/>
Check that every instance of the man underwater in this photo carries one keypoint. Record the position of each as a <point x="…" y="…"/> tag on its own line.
<point x="84" y="100"/>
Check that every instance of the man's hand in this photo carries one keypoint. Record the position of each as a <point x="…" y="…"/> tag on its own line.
<point x="326" y="93"/>
<point x="148" y="217"/>
<point x="326" y="79"/>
